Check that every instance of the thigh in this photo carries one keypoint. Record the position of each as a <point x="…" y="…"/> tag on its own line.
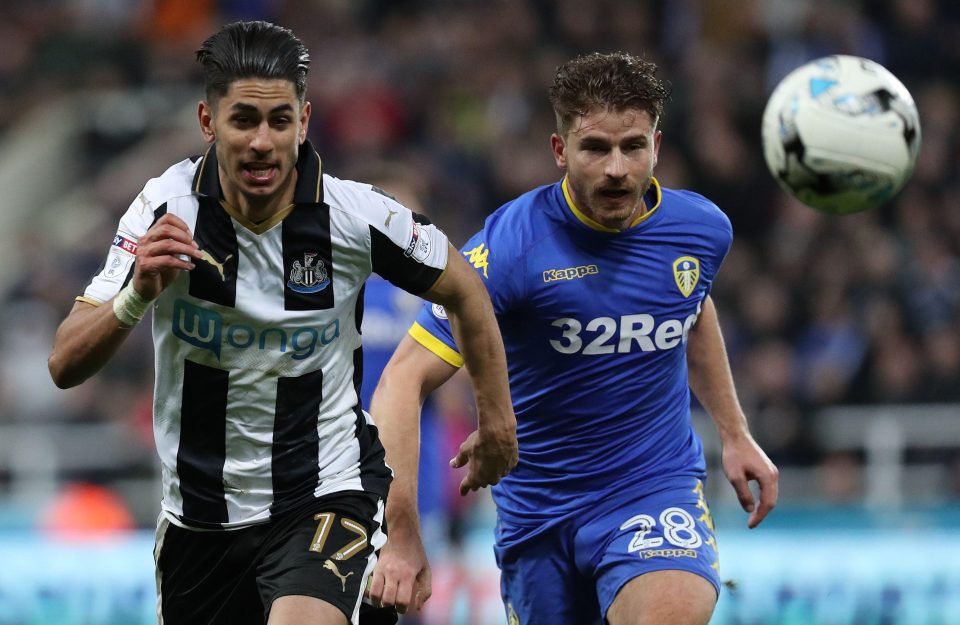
<point x="540" y="583"/>
<point x="206" y="576"/>
<point x="675" y="597"/>
<point x="633" y="534"/>
<point x="326" y="553"/>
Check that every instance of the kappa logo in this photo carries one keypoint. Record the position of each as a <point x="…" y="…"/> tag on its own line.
<point x="686" y="273"/>
<point x="308" y="278"/>
<point x="571" y="273"/>
<point x="331" y="566"/>
<point x="478" y="258"/>
<point x="207" y="257"/>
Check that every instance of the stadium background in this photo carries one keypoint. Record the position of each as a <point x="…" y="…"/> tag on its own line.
<point x="843" y="332"/>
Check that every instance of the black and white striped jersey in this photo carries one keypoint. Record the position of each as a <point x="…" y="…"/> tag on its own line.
<point x="257" y="349"/>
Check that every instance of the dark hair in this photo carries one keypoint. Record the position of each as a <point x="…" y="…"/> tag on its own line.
<point x="615" y="81"/>
<point x="252" y="50"/>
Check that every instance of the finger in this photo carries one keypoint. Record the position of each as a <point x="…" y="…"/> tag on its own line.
<point x="174" y="221"/>
<point x="424" y="588"/>
<point x="375" y="587"/>
<point x="744" y="494"/>
<point x="461" y="458"/>
<point x="389" y="596"/>
<point x="406" y="595"/>
<point x="768" y="499"/>
<point x="160" y="231"/>
<point x="170" y="247"/>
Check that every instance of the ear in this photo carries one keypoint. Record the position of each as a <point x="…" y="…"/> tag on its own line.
<point x="304" y="121"/>
<point x="559" y="150"/>
<point x="657" y="136"/>
<point x="205" y="116"/>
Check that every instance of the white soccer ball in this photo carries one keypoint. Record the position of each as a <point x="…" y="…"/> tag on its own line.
<point x="841" y="134"/>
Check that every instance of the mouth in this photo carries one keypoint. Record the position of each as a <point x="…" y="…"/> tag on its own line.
<point x="614" y="193"/>
<point x="259" y="173"/>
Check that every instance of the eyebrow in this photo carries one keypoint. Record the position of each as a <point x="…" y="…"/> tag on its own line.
<point x="243" y="106"/>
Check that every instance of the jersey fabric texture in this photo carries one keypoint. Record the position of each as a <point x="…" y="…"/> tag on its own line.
<point x="595" y="325"/>
<point x="258" y="356"/>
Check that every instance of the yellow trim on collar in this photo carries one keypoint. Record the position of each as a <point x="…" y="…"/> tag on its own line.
<point x="598" y="226"/>
<point x="261" y="227"/>
<point x="435" y="345"/>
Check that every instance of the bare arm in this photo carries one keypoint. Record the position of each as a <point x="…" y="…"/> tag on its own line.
<point x="491" y="451"/>
<point x="712" y="382"/>
<point x="90" y="335"/>
<point x="402" y="577"/>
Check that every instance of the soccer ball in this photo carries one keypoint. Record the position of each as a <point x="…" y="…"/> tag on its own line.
<point x="841" y="134"/>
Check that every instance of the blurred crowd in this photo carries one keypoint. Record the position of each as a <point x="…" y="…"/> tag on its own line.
<point x="817" y="310"/>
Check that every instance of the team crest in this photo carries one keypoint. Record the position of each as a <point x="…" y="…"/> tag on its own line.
<point x="686" y="271"/>
<point x="308" y="278"/>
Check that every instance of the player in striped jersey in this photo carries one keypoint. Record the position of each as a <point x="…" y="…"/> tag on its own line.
<point x="252" y="260"/>
<point x="601" y="285"/>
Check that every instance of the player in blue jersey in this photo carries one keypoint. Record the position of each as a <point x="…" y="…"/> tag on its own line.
<point x="601" y="285"/>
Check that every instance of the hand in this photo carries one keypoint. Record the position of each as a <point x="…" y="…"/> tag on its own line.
<point x="159" y="253"/>
<point x="402" y="575"/>
<point x="490" y="453"/>
<point x="743" y="462"/>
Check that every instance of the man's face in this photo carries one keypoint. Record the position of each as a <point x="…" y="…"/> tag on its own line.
<point x="609" y="158"/>
<point x="258" y="127"/>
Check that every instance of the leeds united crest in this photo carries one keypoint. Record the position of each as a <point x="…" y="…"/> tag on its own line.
<point x="686" y="272"/>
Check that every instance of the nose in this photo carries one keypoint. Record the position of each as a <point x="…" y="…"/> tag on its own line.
<point x="615" y="167"/>
<point x="262" y="142"/>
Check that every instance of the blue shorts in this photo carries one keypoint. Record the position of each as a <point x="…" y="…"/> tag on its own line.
<point x="572" y="572"/>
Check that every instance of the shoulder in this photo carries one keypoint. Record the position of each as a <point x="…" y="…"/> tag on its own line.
<point x="360" y="200"/>
<point x="696" y="210"/>
<point x="525" y="219"/>
<point x="175" y="182"/>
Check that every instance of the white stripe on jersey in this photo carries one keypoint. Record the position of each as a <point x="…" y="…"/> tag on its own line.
<point x="254" y="344"/>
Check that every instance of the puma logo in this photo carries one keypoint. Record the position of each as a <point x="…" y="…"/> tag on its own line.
<point x="144" y="202"/>
<point x="329" y="565"/>
<point x="207" y="257"/>
<point x="386" y="224"/>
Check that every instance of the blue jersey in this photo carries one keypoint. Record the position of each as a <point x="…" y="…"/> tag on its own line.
<point x="595" y="324"/>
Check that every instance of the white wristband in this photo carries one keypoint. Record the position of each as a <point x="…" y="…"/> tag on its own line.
<point x="129" y="306"/>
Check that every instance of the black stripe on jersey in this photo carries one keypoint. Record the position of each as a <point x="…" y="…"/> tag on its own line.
<point x="214" y="278"/>
<point x="307" y="259"/>
<point x="358" y="353"/>
<point x="296" y="442"/>
<point x="390" y="262"/>
<point x="375" y="476"/>
<point x="358" y="372"/>
<point x="203" y="447"/>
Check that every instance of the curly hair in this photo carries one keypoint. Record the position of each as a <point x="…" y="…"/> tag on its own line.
<point x="616" y="81"/>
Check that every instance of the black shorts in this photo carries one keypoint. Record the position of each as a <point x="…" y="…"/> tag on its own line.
<point x="232" y="577"/>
